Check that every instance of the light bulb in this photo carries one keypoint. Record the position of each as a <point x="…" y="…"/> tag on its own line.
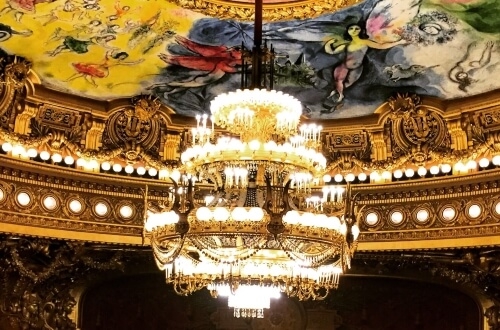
<point x="81" y="162"/>
<point x="409" y="173"/>
<point x="106" y="166"/>
<point x="68" y="160"/>
<point x="56" y="158"/>
<point x="362" y="176"/>
<point x="254" y="145"/>
<point x="6" y="146"/>
<point x="474" y="211"/>
<point x="129" y="169"/>
<point x="446" y="168"/>
<point x="45" y="155"/>
<point x="422" y="171"/>
<point x="434" y="170"/>
<point x="471" y="165"/>
<point x="355" y="231"/>
<point x="117" y="168"/>
<point x="32" y="152"/>
<point x="152" y="171"/>
<point x="484" y="162"/>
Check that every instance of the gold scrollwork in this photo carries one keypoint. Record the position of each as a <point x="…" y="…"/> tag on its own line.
<point x="135" y="128"/>
<point x="15" y="71"/>
<point x="494" y="208"/>
<point x="3" y="193"/>
<point x="244" y="11"/>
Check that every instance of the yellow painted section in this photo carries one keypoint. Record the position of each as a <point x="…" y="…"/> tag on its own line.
<point x="136" y="25"/>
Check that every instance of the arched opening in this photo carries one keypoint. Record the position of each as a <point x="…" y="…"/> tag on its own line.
<point x="146" y="302"/>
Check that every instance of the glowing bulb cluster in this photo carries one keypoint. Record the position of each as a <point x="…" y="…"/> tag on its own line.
<point x="161" y="219"/>
<point x="232" y="149"/>
<point x="235" y="214"/>
<point x="309" y="219"/>
<point x="239" y="109"/>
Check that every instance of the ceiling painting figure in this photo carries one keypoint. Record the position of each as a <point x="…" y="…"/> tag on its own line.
<point x="383" y="25"/>
<point x="341" y="64"/>
<point x="92" y="71"/>
<point x="6" y="32"/>
<point x="21" y="7"/>
<point x="210" y="63"/>
<point x="464" y="71"/>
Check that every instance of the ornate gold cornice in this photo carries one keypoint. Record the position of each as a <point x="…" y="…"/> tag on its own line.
<point x="482" y="189"/>
<point x="273" y="10"/>
<point x="407" y="130"/>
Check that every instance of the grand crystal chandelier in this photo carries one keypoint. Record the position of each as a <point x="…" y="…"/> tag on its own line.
<point x="266" y="226"/>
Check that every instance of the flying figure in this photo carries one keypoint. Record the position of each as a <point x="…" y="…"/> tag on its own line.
<point x="213" y="62"/>
<point x="381" y="31"/>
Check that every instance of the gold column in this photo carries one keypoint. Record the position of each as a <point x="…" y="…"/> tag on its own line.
<point x="22" y="122"/>
<point x="171" y="147"/>
<point x="379" y="146"/>
<point x="93" y="138"/>
<point x="457" y="134"/>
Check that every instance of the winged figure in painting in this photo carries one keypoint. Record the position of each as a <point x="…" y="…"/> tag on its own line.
<point x="382" y="30"/>
<point x="211" y="62"/>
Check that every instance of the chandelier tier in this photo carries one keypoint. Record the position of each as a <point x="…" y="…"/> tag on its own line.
<point x="267" y="226"/>
<point x="257" y="114"/>
<point x="234" y="158"/>
<point x="294" y="249"/>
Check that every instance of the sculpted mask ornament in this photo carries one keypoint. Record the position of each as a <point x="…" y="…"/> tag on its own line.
<point x="144" y="109"/>
<point x="15" y="72"/>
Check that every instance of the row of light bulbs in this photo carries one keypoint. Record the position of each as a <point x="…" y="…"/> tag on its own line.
<point x="376" y="176"/>
<point x="89" y="165"/>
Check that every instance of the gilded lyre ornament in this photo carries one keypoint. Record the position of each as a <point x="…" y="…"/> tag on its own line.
<point x="415" y="129"/>
<point x="135" y="128"/>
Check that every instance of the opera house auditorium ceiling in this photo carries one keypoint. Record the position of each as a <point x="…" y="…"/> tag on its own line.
<point x="356" y="174"/>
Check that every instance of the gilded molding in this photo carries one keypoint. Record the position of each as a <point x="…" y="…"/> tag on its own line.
<point x="412" y="134"/>
<point x="38" y="277"/>
<point x="271" y="11"/>
<point x="410" y="131"/>
<point x="65" y="224"/>
<point x="482" y="189"/>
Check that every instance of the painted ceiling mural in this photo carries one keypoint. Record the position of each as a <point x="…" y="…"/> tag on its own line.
<point x="343" y="64"/>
